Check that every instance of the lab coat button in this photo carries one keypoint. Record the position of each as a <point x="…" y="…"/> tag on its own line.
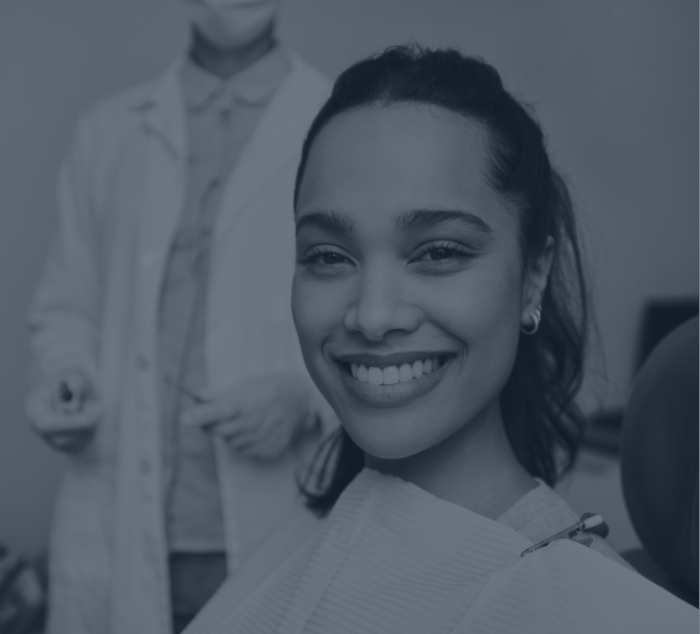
<point x="142" y="362"/>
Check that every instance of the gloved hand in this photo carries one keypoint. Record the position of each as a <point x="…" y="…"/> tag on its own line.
<point x="258" y="417"/>
<point x="65" y="410"/>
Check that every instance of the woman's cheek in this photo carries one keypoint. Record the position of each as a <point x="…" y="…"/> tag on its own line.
<point x="496" y="326"/>
<point x="315" y="307"/>
<point x="463" y="305"/>
<point x="480" y="308"/>
<point x="302" y="311"/>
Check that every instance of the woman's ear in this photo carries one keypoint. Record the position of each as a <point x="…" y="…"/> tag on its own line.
<point x="535" y="282"/>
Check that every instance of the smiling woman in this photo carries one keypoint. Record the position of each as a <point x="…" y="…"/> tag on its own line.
<point x="437" y="232"/>
<point x="440" y="306"/>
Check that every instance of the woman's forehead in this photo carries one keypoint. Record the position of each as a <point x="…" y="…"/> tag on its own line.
<point x="397" y="157"/>
<point x="403" y="135"/>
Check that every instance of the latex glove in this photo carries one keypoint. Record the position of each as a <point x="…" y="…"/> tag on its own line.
<point x="65" y="411"/>
<point x="259" y="417"/>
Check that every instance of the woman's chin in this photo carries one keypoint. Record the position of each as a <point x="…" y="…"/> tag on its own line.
<point x="385" y="446"/>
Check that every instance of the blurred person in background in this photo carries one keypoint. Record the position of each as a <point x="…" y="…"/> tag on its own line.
<point x="166" y="362"/>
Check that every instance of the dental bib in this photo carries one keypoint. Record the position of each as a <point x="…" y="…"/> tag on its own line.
<point x="392" y="558"/>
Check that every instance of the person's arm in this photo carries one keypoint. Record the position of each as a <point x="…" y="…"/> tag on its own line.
<point x="65" y="313"/>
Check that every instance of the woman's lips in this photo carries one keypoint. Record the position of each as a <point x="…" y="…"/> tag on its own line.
<point x="389" y="384"/>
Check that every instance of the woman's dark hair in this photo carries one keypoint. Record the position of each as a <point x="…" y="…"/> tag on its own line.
<point x="542" y="420"/>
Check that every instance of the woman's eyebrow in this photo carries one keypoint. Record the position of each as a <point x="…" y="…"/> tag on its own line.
<point x="425" y="218"/>
<point x="327" y="221"/>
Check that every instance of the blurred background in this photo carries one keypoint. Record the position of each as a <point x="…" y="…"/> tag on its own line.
<point x="615" y="84"/>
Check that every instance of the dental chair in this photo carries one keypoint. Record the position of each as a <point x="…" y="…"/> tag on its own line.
<point x="659" y="464"/>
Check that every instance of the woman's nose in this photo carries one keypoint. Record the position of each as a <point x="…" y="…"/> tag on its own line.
<point x="381" y="308"/>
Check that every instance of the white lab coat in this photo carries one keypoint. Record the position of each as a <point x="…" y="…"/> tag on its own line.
<point x="120" y="196"/>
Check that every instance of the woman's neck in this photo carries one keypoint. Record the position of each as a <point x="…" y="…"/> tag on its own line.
<point x="474" y="468"/>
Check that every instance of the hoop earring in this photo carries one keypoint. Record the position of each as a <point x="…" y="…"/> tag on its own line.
<point x="536" y="318"/>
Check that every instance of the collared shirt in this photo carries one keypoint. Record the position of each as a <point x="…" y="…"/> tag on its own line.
<point x="221" y="116"/>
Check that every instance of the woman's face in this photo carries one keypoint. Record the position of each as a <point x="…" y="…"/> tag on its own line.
<point x="409" y="290"/>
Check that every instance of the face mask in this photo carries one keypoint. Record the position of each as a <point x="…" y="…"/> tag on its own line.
<point x="231" y="23"/>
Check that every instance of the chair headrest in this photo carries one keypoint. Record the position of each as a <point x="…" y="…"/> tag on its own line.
<point x="660" y="455"/>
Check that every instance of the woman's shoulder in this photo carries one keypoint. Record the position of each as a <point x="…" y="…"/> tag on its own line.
<point x="564" y="588"/>
<point x="542" y="512"/>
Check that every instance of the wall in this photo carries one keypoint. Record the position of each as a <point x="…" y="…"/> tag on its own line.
<point x="615" y="83"/>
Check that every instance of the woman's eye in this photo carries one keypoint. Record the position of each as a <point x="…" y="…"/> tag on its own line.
<point x="326" y="261"/>
<point x="330" y="258"/>
<point x="439" y="253"/>
<point x="443" y="253"/>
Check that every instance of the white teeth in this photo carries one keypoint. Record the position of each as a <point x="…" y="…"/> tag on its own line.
<point x="417" y="369"/>
<point x="393" y="374"/>
<point x="390" y="375"/>
<point x="375" y="376"/>
<point x="405" y="373"/>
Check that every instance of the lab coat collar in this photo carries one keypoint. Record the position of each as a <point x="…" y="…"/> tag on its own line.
<point x="253" y="85"/>
<point x="278" y="137"/>
<point x="164" y="109"/>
